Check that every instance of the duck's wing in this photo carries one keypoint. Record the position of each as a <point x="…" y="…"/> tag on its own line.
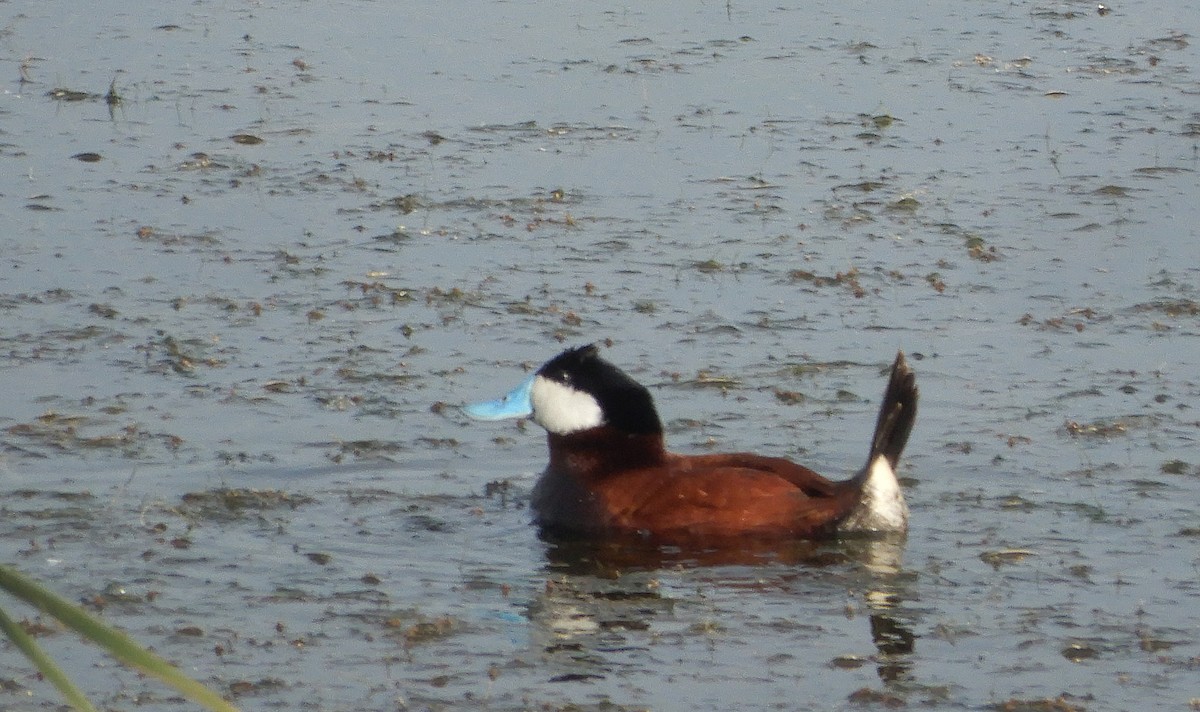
<point x="724" y="497"/>
<point x="799" y="476"/>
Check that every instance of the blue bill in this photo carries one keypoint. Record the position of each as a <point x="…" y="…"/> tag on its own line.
<point x="513" y="405"/>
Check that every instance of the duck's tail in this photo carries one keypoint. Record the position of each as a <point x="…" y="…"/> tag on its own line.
<point x="897" y="414"/>
<point x="879" y="504"/>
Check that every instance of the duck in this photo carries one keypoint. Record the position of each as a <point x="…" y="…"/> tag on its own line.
<point x="610" y="475"/>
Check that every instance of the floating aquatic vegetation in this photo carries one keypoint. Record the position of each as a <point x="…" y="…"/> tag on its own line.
<point x="243" y="688"/>
<point x="1075" y="320"/>
<point x="105" y="311"/>
<point x="1109" y="428"/>
<point x="1172" y="307"/>
<point x="1178" y="467"/>
<point x="63" y="94"/>
<point x="849" y="279"/>
<point x="866" y="696"/>
<point x="789" y="397"/>
<point x="705" y="379"/>
<point x="180" y="356"/>
<point x="77" y="434"/>
<point x="979" y="250"/>
<point x="379" y="293"/>
<point x="151" y="234"/>
<point x="222" y="504"/>
<point x="1004" y="557"/>
<point x="905" y="204"/>
<point x="363" y="450"/>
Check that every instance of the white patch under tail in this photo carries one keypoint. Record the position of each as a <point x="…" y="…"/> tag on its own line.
<point x="882" y="507"/>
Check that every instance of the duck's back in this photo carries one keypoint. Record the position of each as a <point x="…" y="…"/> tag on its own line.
<point x="696" y="497"/>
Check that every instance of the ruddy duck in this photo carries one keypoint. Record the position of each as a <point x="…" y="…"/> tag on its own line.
<point x="610" y="474"/>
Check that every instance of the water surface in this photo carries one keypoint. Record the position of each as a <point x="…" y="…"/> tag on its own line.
<point x="255" y="254"/>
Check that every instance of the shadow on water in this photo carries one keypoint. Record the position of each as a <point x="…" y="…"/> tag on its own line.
<point x="596" y="592"/>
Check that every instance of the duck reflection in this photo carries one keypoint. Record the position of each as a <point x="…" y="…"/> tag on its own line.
<point x="599" y="595"/>
<point x="894" y="640"/>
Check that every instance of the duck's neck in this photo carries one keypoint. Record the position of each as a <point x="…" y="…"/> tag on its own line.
<point x="598" y="452"/>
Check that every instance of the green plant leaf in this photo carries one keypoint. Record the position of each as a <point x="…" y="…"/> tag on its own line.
<point x="45" y="665"/>
<point x="118" y="644"/>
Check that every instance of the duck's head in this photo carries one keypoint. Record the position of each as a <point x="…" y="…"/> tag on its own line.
<point x="574" y="392"/>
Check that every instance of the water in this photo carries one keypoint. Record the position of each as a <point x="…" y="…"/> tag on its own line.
<point x="227" y="360"/>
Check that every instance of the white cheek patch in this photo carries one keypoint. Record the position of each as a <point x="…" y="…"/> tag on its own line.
<point x="561" y="409"/>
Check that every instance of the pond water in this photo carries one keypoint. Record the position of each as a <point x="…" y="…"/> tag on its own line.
<point x="255" y="253"/>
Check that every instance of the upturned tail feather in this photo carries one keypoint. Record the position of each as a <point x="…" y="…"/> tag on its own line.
<point x="897" y="414"/>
